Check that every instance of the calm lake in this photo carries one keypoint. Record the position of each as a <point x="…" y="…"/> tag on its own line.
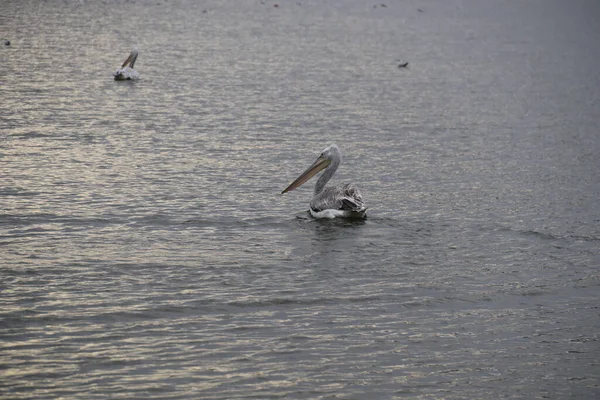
<point x="146" y="250"/>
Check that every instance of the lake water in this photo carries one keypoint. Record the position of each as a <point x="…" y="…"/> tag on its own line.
<point x="146" y="250"/>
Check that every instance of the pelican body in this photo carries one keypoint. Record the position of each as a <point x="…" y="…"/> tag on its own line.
<point x="126" y="72"/>
<point x="331" y="202"/>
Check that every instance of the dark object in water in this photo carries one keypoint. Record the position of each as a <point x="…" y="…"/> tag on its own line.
<point x="403" y="65"/>
<point x="6" y="42"/>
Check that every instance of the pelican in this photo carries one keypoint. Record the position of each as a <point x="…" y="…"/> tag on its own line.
<point x="126" y="72"/>
<point x="331" y="202"/>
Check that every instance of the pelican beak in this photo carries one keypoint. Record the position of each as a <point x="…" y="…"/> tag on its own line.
<point x="130" y="59"/>
<point x="318" y="165"/>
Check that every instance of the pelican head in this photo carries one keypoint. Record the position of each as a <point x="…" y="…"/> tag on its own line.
<point x="329" y="158"/>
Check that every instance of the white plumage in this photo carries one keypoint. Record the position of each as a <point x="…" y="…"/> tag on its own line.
<point x="331" y="202"/>
<point x="126" y="72"/>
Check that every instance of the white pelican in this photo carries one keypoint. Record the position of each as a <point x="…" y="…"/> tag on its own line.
<point x="331" y="202"/>
<point x="126" y="72"/>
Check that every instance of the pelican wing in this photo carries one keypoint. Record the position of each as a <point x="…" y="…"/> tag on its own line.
<point x="346" y="198"/>
<point x="123" y="74"/>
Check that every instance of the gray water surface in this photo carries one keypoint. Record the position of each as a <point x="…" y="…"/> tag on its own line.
<point x="146" y="251"/>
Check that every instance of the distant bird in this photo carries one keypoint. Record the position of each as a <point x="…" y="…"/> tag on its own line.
<point x="331" y="202"/>
<point x="126" y="72"/>
<point x="6" y="42"/>
<point x="403" y="65"/>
